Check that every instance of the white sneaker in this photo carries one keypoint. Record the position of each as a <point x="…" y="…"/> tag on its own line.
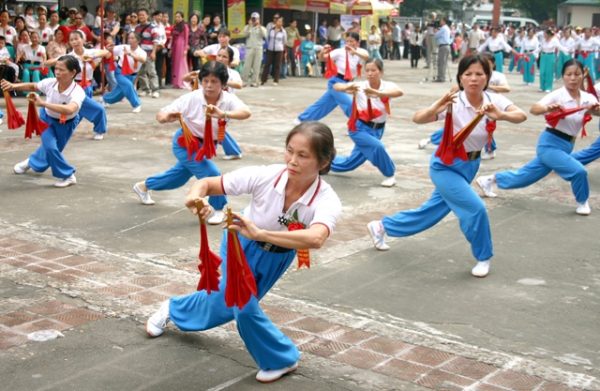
<point x="275" y="84"/>
<point x="155" y="325"/>
<point x="486" y="184"/>
<point x="583" y="209"/>
<point x="231" y="157"/>
<point x="21" y="167"/>
<point x="389" y="182"/>
<point x="98" y="136"/>
<point x="217" y="217"/>
<point x="481" y="269"/>
<point x="377" y="233"/>
<point x="155" y="95"/>
<point x="146" y="93"/>
<point x="137" y="109"/>
<point x="104" y="104"/>
<point x="66" y="182"/>
<point x="485" y="155"/>
<point x="144" y="195"/>
<point x="423" y="143"/>
<point x="296" y="121"/>
<point x="268" y="376"/>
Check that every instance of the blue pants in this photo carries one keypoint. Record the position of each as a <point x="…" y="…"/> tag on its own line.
<point x="367" y="146"/>
<point x="327" y="102"/>
<point x="562" y="58"/>
<point x="553" y="154"/>
<point x="93" y="112"/>
<point x="269" y="347"/>
<point x="499" y="59"/>
<point x="110" y="77"/>
<point x="547" y="63"/>
<point x="124" y="89"/>
<point x="587" y="155"/>
<point x="453" y="192"/>
<point x="54" y="140"/>
<point x="31" y="76"/>
<point x="436" y="139"/>
<point x="589" y="63"/>
<point x="230" y="146"/>
<point x="529" y="69"/>
<point x="183" y="170"/>
<point x="513" y="63"/>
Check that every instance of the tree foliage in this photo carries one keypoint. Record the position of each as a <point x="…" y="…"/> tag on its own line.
<point x="539" y="10"/>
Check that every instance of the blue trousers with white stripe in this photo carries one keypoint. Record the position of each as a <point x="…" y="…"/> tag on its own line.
<point x="367" y="146"/>
<point x="553" y="154"/>
<point x="93" y="112"/>
<point x="124" y="89"/>
<point x="453" y="192"/>
<point x="436" y="139"/>
<point x="183" y="170"/>
<point x="268" y="346"/>
<point x="54" y="140"/>
<point x="327" y="102"/>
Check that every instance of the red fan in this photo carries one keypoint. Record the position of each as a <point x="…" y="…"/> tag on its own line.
<point x="209" y="261"/>
<point x="240" y="284"/>
<point x="34" y="123"/>
<point x="330" y="67"/>
<point x="590" y="83"/>
<point x="553" y="117"/>
<point x="187" y="140"/>
<point x="125" y="67"/>
<point x="452" y="145"/>
<point x="14" y="118"/>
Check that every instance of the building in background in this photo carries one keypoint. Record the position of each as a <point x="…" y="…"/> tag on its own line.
<point x="584" y="13"/>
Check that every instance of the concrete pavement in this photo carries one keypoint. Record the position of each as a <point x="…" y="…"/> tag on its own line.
<point x="93" y="262"/>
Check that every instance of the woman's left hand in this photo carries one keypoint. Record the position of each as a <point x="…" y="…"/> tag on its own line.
<point x="35" y="98"/>
<point x="245" y="226"/>
<point x="491" y="111"/>
<point x="214" y="111"/>
<point x="372" y="93"/>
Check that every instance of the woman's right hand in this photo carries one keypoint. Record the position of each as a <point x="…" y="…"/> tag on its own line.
<point x="6" y="85"/>
<point x="446" y="100"/>
<point x="553" y="107"/>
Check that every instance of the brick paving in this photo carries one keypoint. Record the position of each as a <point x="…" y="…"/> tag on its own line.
<point x="424" y="366"/>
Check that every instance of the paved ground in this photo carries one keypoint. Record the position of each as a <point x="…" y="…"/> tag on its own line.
<point x="92" y="263"/>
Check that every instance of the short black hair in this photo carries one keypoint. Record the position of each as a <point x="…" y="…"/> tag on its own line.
<point x="71" y="62"/>
<point x="216" y="69"/>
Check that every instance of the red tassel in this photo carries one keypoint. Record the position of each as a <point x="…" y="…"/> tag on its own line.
<point x="209" y="261"/>
<point x="84" y="82"/>
<point x="187" y="140"/>
<point x="240" y="285"/>
<point x="359" y="70"/>
<point x="353" y="116"/>
<point x="34" y="123"/>
<point x="386" y="102"/>
<point x="125" y="67"/>
<point x="348" y="72"/>
<point x="490" y="127"/>
<point x="590" y="83"/>
<point x="208" y="150"/>
<point x="221" y="130"/>
<point x="14" y="119"/>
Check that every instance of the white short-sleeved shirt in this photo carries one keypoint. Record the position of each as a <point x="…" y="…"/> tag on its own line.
<point x="32" y="55"/>
<point x="587" y="45"/>
<point x="573" y="123"/>
<point x="495" y="44"/>
<point x="5" y="56"/>
<point x="569" y="44"/>
<point x="118" y="54"/>
<point x="9" y="33"/>
<point x="498" y="79"/>
<point x="529" y="45"/>
<point x="212" y="50"/>
<point x="551" y="46"/>
<point x="193" y="106"/>
<point x="463" y="113"/>
<point x="377" y="104"/>
<point x="235" y="77"/>
<point x="74" y="93"/>
<point x="46" y="34"/>
<point x="338" y="56"/>
<point x="318" y="205"/>
<point x="89" y="69"/>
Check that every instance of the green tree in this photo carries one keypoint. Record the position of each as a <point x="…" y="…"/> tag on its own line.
<point x="539" y="10"/>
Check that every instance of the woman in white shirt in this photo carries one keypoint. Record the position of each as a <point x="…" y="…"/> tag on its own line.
<point x="453" y="191"/>
<point x="354" y="57"/>
<point x="33" y="57"/>
<point x="497" y="45"/>
<point x="64" y="99"/>
<point x="568" y="43"/>
<point x="548" y="49"/>
<point x="555" y="143"/>
<point x="193" y="107"/>
<point x="282" y="194"/>
<point x="587" y="155"/>
<point x="372" y="102"/>
<point x="276" y="39"/>
<point x="529" y="52"/>
<point x="374" y="43"/>
<point x="136" y="56"/>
